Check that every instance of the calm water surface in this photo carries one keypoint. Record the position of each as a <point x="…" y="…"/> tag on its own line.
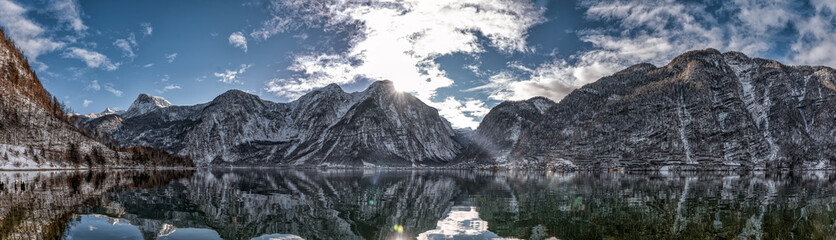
<point x="355" y="204"/>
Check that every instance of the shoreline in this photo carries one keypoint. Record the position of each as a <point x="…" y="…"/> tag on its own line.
<point x="481" y="168"/>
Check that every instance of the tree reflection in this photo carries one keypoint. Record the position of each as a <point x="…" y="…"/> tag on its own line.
<point x="357" y="204"/>
<point x="40" y="205"/>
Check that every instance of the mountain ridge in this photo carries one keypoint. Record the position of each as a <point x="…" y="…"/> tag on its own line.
<point x="238" y="128"/>
<point x="703" y="110"/>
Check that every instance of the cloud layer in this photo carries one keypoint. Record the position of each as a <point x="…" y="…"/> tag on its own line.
<point x="657" y="31"/>
<point x="28" y="35"/>
<point x="401" y="40"/>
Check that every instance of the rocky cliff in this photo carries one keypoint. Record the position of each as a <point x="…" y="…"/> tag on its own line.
<point x="704" y="110"/>
<point x="501" y="129"/>
<point x="378" y="126"/>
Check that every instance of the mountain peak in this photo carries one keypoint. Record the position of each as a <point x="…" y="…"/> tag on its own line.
<point x="541" y="103"/>
<point x="331" y="87"/>
<point x="708" y="55"/>
<point x="145" y="103"/>
<point x="233" y="94"/>
<point x="146" y="98"/>
<point x="383" y="86"/>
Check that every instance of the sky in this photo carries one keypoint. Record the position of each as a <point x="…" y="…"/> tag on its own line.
<point x="460" y="56"/>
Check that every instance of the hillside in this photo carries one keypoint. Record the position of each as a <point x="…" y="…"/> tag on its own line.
<point x="36" y="133"/>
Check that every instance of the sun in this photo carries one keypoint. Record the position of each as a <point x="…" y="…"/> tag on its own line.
<point x="398" y="87"/>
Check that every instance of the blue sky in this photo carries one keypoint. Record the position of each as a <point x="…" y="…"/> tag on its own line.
<point x="462" y="57"/>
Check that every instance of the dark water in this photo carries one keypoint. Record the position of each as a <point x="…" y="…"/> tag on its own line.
<point x="295" y="204"/>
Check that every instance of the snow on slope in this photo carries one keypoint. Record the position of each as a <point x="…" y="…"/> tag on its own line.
<point x="327" y="126"/>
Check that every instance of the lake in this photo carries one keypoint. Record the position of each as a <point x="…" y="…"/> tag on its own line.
<point x="423" y="204"/>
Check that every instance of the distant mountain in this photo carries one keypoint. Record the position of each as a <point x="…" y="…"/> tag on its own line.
<point x="144" y="104"/>
<point x="36" y="133"/>
<point x="501" y="129"/>
<point x="327" y="127"/>
<point x="704" y="110"/>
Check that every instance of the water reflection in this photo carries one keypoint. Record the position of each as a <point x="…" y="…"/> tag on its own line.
<point x="101" y="227"/>
<point x="462" y="222"/>
<point x="351" y="204"/>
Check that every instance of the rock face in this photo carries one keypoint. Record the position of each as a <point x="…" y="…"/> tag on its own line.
<point x="704" y="110"/>
<point x="500" y="131"/>
<point x="328" y="126"/>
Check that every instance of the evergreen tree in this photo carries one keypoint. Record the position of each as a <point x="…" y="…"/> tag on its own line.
<point x="88" y="160"/>
<point x="97" y="157"/>
<point x="73" y="155"/>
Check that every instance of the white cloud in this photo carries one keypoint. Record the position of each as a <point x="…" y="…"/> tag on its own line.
<point x="147" y="29"/>
<point x="318" y="71"/>
<point x="816" y="42"/>
<point x="167" y="88"/>
<point x="94" y="85"/>
<point x="668" y="28"/>
<point x="165" y="78"/>
<point x="86" y="102"/>
<point x="462" y="114"/>
<point x="127" y="45"/>
<point x="28" y="35"/>
<point x="290" y="15"/>
<point x="400" y="41"/>
<point x="91" y="58"/>
<point x="238" y="39"/>
<point x="231" y="76"/>
<point x="148" y="65"/>
<point x="109" y="87"/>
<point x="656" y="32"/>
<point x="68" y="12"/>
<point x="553" y="79"/>
<point x="475" y="107"/>
<point x="171" y="57"/>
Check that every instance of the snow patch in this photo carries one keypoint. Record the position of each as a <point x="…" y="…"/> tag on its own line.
<point x="13" y="157"/>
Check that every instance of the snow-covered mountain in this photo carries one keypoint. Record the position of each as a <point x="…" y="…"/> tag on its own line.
<point x="705" y="109"/>
<point x="144" y="104"/>
<point x="89" y="116"/>
<point x="378" y="126"/>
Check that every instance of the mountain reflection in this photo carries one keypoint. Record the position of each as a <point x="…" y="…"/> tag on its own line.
<point x="40" y="205"/>
<point x="356" y="204"/>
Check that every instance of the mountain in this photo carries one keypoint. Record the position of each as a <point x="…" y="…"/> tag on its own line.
<point x="329" y="127"/>
<point x="704" y="110"/>
<point x="144" y="104"/>
<point x="501" y="129"/>
<point x="35" y="132"/>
